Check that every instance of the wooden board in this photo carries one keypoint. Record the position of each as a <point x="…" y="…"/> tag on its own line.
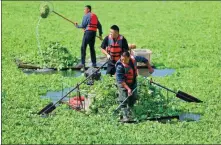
<point x="100" y="61"/>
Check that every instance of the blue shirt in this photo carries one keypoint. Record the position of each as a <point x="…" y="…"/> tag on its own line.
<point x="86" y="21"/>
<point x="120" y="71"/>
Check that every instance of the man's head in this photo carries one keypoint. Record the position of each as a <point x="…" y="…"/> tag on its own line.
<point x="125" y="57"/>
<point x="87" y="9"/>
<point x="114" y="31"/>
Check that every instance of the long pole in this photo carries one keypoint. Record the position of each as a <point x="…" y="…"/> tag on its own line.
<point x="77" y="86"/>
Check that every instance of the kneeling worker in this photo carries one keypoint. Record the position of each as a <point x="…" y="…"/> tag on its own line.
<point x="126" y="73"/>
<point x="113" y="46"/>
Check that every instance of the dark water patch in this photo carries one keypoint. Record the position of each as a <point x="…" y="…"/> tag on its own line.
<point x="55" y="96"/>
<point x="157" y="72"/>
<point x="65" y="73"/>
<point x="181" y="117"/>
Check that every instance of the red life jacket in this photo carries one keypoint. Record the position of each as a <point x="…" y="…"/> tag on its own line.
<point x="130" y="71"/>
<point x="92" y="26"/>
<point x="114" y="49"/>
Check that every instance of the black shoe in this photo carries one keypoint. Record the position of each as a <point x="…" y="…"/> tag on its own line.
<point x="94" y="65"/>
<point x="125" y="119"/>
<point x="80" y="65"/>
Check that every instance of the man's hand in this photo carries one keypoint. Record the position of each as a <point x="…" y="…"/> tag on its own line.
<point x="100" y="37"/>
<point x="108" y="56"/>
<point x="151" y="70"/>
<point x="129" y="92"/>
<point x="76" y="24"/>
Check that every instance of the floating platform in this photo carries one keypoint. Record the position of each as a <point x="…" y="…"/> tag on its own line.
<point x="100" y="61"/>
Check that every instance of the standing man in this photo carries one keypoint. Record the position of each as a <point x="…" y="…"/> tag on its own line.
<point x="126" y="73"/>
<point x="113" y="46"/>
<point x="90" y="24"/>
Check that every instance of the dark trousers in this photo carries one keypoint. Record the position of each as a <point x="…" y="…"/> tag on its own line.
<point x="111" y="69"/>
<point x="123" y="95"/>
<point x="88" y="38"/>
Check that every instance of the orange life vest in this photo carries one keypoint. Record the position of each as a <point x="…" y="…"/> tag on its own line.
<point x="92" y="26"/>
<point x="114" y="49"/>
<point x="130" y="71"/>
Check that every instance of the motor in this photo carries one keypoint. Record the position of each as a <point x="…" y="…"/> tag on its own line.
<point x="94" y="75"/>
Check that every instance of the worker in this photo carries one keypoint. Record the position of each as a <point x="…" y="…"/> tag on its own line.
<point x="90" y="24"/>
<point x="126" y="73"/>
<point x="113" y="46"/>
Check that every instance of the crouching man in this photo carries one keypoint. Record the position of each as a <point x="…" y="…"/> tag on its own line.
<point x="126" y="73"/>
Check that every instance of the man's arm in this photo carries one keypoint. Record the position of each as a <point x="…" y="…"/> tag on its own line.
<point x="85" y="22"/>
<point x="125" y="45"/>
<point x="121" y="79"/>
<point x="104" y="51"/>
<point x="104" y="45"/>
<point x="141" y="59"/>
<point x="144" y="60"/>
<point x="99" y="26"/>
